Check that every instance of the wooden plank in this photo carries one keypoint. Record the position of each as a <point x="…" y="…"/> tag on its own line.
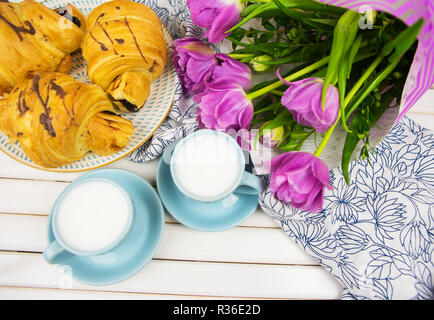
<point x="9" y="168"/>
<point x="258" y="219"/>
<point x="245" y="245"/>
<point x="29" y="197"/>
<point x="184" y="277"/>
<point x="22" y="293"/>
<point x="37" y="197"/>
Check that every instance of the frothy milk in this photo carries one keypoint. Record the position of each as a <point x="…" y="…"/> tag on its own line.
<point x="207" y="166"/>
<point x="92" y="216"/>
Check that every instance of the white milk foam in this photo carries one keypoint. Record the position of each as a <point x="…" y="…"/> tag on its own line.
<point x="207" y="166"/>
<point x="92" y="216"/>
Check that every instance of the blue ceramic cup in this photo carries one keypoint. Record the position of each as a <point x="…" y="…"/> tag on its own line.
<point x="61" y="249"/>
<point x="241" y="182"/>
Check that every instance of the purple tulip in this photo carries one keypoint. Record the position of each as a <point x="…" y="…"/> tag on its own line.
<point x="232" y="71"/>
<point x="300" y="179"/>
<point x="194" y="62"/>
<point x="217" y="16"/>
<point x="303" y="99"/>
<point x="197" y="65"/>
<point x="224" y="106"/>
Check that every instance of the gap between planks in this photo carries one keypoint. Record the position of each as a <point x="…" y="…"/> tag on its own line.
<point x="168" y="219"/>
<point x="194" y="260"/>
<point x="39" y="180"/>
<point x="240" y="244"/>
<point x="297" y="282"/>
<point x="128" y="294"/>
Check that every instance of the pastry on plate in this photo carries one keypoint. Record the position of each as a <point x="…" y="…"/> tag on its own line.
<point x="57" y="120"/>
<point x="35" y="39"/>
<point x="125" y="51"/>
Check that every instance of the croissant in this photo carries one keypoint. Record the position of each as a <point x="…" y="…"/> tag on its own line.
<point x="35" y="39"/>
<point x="125" y="50"/>
<point x="58" y="119"/>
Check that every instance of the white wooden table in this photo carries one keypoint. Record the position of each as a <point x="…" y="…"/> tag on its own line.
<point x="253" y="260"/>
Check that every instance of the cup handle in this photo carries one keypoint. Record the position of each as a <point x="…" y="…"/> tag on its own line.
<point x="250" y="184"/>
<point x="167" y="153"/>
<point x="53" y="251"/>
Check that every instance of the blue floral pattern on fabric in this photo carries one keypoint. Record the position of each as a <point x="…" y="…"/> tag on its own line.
<point x="375" y="235"/>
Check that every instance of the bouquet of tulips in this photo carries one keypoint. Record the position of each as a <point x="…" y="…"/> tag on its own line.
<point x="328" y="67"/>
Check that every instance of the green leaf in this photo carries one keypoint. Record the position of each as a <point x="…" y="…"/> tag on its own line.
<point x="310" y="5"/>
<point x="326" y="22"/>
<point x="258" y="48"/>
<point x="402" y="44"/>
<point x="371" y="86"/>
<point x="268" y="82"/>
<point x="351" y="141"/>
<point x="268" y="25"/>
<point x="265" y="37"/>
<point x="250" y="8"/>
<point x="272" y="106"/>
<point x="352" y="54"/>
<point x="262" y="9"/>
<point x="320" y="24"/>
<point x="280" y="120"/>
<point x="403" y="41"/>
<point x="295" y="138"/>
<point x="342" y="83"/>
<point x="238" y="34"/>
<point x="362" y="123"/>
<point x="256" y="10"/>
<point x="295" y="57"/>
<point x="286" y="10"/>
<point x="343" y="36"/>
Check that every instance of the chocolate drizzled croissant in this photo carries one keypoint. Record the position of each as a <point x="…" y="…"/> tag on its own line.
<point x="35" y="39"/>
<point x="125" y="50"/>
<point x="57" y="120"/>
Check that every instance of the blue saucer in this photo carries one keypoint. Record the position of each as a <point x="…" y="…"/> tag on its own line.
<point x="204" y="216"/>
<point x="139" y="246"/>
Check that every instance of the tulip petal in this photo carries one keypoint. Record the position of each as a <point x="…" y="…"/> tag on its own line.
<point x="277" y="161"/>
<point x="303" y="99"/>
<point x="216" y="16"/>
<point x="299" y="178"/>
<point x="227" y="104"/>
<point x="223" y="21"/>
<point x="232" y="71"/>
<point x="320" y="171"/>
<point x="194" y="63"/>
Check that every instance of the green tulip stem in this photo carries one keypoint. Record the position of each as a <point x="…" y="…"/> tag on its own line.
<point x="261" y="1"/>
<point x="362" y="79"/>
<point x="277" y="92"/>
<point x="240" y="55"/>
<point x="373" y="84"/>
<point x="326" y="138"/>
<point x="347" y="100"/>
<point x="296" y="75"/>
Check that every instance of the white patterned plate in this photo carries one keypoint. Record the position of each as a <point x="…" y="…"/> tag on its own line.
<point x="146" y="121"/>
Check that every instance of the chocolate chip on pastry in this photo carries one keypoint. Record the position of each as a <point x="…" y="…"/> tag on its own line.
<point x="125" y="51"/>
<point x="58" y="119"/>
